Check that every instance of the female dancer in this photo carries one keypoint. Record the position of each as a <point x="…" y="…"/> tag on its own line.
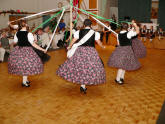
<point x="84" y="67"/>
<point x="23" y="60"/>
<point x="143" y="33"/>
<point x="123" y="57"/>
<point x="151" y="33"/>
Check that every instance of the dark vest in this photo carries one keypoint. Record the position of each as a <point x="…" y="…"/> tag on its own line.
<point x="123" y="40"/>
<point x="144" y="31"/>
<point x="23" y="38"/>
<point x="150" y="31"/>
<point x="91" y="41"/>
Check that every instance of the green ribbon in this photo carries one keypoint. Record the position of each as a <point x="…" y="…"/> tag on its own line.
<point x="99" y="17"/>
<point x="65" y="35"/>
<point x="47" y="20"/>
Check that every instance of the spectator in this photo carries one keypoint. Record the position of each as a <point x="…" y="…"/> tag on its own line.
<point x="61" y="25"/>
<point x="113" y="25"/>
<point x="37" y="36"/>
<point x="45" y="37"/>
<point x="105" y="32"/>
<point x="4" y="46"/>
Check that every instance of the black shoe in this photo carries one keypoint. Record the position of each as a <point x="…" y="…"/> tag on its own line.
<point x="122" y="79"/>
<point x="25" y="85"/>
<point x="83" y="90"/>
<point x="28" y="82"/>
<point x="119" y="82"/>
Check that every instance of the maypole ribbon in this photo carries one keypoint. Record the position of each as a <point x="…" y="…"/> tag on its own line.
<point x="47" y="21"/>
<point x="55" y="29"/>
<point x="100" y="22"/>
<point x="99" y="17"/>
<point x="40" y="13"/>
<point x="104" y="25"/>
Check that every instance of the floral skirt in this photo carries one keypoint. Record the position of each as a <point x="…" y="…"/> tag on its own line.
<point x="24" y="61"/>
<point x="124" y="58"/>
<point x="138" y="48"/>
<point x="84" y="67"/>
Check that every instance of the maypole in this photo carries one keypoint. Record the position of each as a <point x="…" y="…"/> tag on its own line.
<point x="71" y="3"/>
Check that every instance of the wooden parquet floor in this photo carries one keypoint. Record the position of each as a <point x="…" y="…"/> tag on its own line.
<point x="52" y="100"/>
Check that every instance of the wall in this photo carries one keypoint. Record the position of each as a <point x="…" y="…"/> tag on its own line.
<point x="29" y="6"/>
<point x="161" y="17"/>
<point x="136" y="9"/>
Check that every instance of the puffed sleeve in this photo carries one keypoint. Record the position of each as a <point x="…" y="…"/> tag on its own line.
<point x="73" y="31"/>
<point x="15" y="38"/>
<point x="15" y="26"/>
<point x="97" y="36"/>
<point x="30" y="38"/>
<point x="76" y="34"/>
<point x="131" y="34"/>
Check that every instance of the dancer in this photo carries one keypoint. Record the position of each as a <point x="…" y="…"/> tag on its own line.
<point x="143" y="33"/>
<point x="137" y="45"/>
<point x="123" y="57"/>
<point x="151" y="33"/>
<point x="160" y="33"/>
<point x="84" y="67"/>
<point x="23" y="60"/>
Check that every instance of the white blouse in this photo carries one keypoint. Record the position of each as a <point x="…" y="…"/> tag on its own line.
<point x="130" y="33"/>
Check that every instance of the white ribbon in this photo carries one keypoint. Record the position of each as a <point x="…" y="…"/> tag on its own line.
<point x="55" y="29"/>
<point x="40" y="13"/>
<point x="98" y="21"/>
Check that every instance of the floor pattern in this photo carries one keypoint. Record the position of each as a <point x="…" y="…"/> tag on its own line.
<point x="52" y="100"/>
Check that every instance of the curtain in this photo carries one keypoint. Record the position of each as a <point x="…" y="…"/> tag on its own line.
<point x="135" y="9"/>
<point x="161" y="13"/>
<point x="44" y="18"/>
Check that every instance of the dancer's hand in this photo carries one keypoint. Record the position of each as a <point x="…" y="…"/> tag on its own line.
<point x="103" y="47"/>
<point x="68" y="48"/>
<point x="134" y="24"/>
<point x="8" y="23"/>
<point x="44" y="51"/>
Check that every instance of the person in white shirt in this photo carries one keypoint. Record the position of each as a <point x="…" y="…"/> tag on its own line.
<point x="23" y="60"/>
<point x="2" y="53"/>
<point x="37" y="36"/>
<point x="4" y="46"/>
<point x="46" y="37"/>
<point x="123" y="57"/>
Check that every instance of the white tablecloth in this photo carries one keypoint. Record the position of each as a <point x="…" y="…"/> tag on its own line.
<point x="56" y="38"/>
